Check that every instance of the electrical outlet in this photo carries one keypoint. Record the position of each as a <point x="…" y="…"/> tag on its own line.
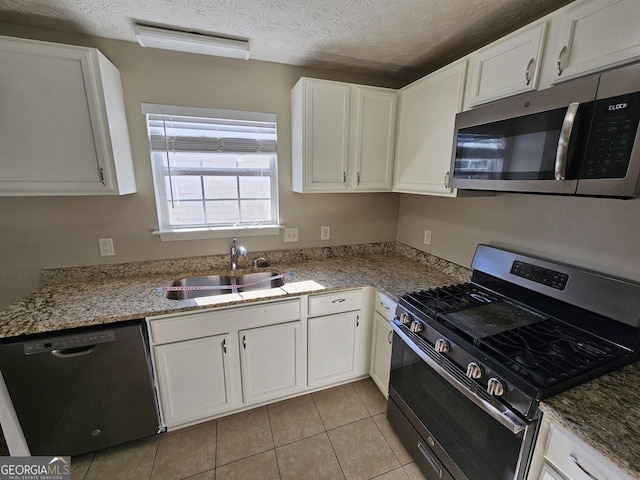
<point x="325" y="233"/>
<point x="291" y="234"/>
<point x="427" y="237"/>
<point x="106" y="247"/>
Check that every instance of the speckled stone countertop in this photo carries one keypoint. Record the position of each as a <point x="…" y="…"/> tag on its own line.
<point x="76" y="297"/>
<point x="605" y="414"/>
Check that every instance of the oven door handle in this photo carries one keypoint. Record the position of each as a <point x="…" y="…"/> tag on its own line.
<point x="505" y="418"/>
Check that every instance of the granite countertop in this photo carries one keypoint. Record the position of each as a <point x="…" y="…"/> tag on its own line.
<point x="605" y="414"/>
<point x="93" y="300"/>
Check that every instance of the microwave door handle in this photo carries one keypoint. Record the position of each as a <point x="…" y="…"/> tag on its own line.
<point x="563" y="141"/>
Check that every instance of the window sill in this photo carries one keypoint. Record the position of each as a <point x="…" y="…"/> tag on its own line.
<point x="203" y="233"/>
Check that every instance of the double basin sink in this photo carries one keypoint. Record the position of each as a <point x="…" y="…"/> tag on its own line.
<point x="223" y="284"/>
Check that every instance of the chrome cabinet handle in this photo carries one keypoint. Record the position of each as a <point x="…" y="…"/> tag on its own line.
<point x="560" y="58"/>
<point x="446" y="180"/>
<point x="224" y="345"/>
<point x="102" y="177"/>
<point x="338" y="300"/>
<point x="357" y="320"/>
<point x="384" y="306"/>
<point x="527" y="73"/>
<point x="358" y="178"/>
<point x="563" y="141"/>
<point x="430" y="460"/>
<point x="574" y="459"/>
<point x="390" y="337"/>
<point x="344" y="178"/>
<point x="244" y="342"/>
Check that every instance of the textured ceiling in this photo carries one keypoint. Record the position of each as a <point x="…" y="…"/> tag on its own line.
<point x="399" y="39"/>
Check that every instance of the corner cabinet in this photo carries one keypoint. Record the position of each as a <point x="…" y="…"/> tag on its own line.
<point x="63" y="128"/>
<point x="507" y="67"/>
<point x="381" y="342"/>
<point x="426" y="121"/>
<point x="342" y="137"/>
<point x="597" y="34"/>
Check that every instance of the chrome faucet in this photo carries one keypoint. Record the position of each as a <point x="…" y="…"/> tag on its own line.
<point x="235" y="251"/>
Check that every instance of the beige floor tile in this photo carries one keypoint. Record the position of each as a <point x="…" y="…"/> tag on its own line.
<point x="131" y="460"/>
<point x="339" y="406"/>
<point x="394" y="442"/>
<point x="397" y="474"/>
<point x="310" y="459"/>
<point x="80" y="465"/>
<point x="294" y="419"/>
<point x="208" y="475"/>
<point x="362" y="451"/>
<point x="262" y="466"/>
<point x="242" y="435"/>
<point x="370" y="396"/>
<point x="413" y="472"/>
<point x="185" y="452"/>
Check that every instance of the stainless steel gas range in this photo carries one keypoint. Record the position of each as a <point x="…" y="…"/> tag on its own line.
<point x="471" y="362"/>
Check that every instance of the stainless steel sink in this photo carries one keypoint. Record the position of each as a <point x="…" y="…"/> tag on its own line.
<point x="222" y="284"/>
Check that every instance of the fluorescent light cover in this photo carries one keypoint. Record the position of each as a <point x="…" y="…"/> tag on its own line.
<point x="153" y="37"/>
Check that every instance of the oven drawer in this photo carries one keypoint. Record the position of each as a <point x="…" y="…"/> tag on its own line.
<point x="337" y="302"/>
<point x="417" y="447"/>
<point x="576" y="460"/>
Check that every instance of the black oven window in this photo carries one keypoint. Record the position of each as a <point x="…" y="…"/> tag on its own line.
<point x="480" y="446"/>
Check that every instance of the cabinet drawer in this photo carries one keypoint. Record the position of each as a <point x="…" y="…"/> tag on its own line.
<point x="335" y="303"/>
<point x="196" y="325"/>
<point x="576" y="460"/>
<point x="385" y="306"/>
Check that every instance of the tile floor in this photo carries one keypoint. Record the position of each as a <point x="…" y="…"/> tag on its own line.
<point x="339" y="433"/>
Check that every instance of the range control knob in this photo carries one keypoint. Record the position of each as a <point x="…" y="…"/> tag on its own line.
<point x="474" y="371"/>
<point x="442" y="346"/>
<point x="405" y="318"/>
<point x="495" y="387"/>
<point x="416" y="326"/>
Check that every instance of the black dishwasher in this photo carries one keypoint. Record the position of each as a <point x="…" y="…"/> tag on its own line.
<point x="81" y="390"/>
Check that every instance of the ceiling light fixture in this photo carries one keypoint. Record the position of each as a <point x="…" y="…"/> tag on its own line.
<point x="154" y="37"/>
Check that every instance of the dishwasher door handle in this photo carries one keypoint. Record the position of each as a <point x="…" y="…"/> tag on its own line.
<point x="73" y="352"/>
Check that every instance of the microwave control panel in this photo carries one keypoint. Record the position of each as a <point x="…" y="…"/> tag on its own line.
<point x="615" y="124"/>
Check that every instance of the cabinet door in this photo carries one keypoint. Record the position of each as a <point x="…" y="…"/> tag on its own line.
<point x="272" y="361"/>
<point x="63" y="130"/>
<point x="193" y="378"/>
<point x="426" y="123"/>
<point x="320" y="131"/>
<point x="373" y="141"/>
<point x="549" y="473"/>
<point x="334" y="348"/>
<point x="508" y="67"/>
<point x="597" y="34"/>
<point x="381" y="353"/>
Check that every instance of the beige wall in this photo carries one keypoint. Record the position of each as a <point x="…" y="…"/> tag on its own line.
<point x="38" y="232"/>
<point x="601" y="234"/>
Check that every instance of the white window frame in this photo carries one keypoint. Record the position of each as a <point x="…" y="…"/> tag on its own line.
<point x="168" y="233"/>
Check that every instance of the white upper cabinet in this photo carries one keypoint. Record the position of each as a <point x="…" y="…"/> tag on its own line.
<point x="63" y="129"/>
<point x="373" y="138"/>
<point x="507" y="67"/>
<point x="426" y="121"/>
<point x="596" y="34"/>
<point x="342" y="136"/>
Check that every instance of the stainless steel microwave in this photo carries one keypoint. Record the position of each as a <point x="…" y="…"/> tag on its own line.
<point x="576" y="138"/>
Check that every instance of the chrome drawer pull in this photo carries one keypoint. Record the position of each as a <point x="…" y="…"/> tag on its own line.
<point x="338" y="300"/>
<point x="574" y="459"/>
<point x="389" y="337"/>
<point x="384" y="306"/>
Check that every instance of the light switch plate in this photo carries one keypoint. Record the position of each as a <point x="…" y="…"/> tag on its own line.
<point x="291" y="234"/>
<point x="427" y="237"/>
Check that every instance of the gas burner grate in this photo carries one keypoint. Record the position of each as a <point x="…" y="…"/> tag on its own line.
<point x="549" y="352"/>
<point x="449" y="299"/>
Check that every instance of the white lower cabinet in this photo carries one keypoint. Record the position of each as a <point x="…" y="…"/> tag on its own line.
<point x="194" y="378"/>
<point x="271" y="358"/>
<point x="381" y="352"/>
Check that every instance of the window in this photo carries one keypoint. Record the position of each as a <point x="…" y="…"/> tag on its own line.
<point x="213" y="170"/>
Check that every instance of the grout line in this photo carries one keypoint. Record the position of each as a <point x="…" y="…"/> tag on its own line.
<point x="275" y="453"/>
<point x="155" y="455"/>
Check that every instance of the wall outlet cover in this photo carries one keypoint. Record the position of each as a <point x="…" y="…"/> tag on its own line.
<point x="106" y="247"/>
<point x="427" y="237"/>
<point x="325" y="233"/>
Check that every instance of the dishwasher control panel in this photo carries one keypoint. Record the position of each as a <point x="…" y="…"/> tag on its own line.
<point x="69" y="341"/>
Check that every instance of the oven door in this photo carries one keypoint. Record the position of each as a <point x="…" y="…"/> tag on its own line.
<point x="459" y="432"/>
